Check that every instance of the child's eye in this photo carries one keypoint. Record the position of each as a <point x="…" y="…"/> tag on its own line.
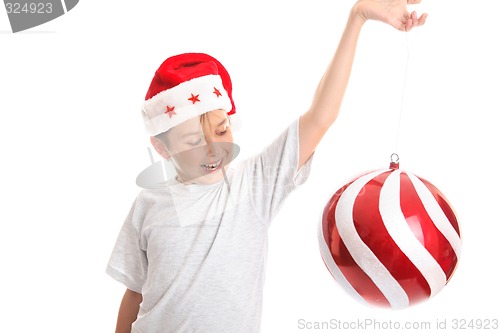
<point x="223" y="131"/>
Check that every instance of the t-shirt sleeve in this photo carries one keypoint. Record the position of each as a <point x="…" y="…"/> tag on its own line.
<point x="128" y="263"/>
<point x="273" y="174"/>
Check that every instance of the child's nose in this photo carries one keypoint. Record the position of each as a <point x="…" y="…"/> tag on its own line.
<point x="212" y="148"/>
<point x="211" y="139"/>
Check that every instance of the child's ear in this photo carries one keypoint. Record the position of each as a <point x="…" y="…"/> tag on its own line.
<point x="159" y="147"/>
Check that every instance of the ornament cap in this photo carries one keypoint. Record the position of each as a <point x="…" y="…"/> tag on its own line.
<point x="394" y="161"/>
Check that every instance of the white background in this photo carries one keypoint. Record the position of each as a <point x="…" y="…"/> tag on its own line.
<point x="71" y="144"/>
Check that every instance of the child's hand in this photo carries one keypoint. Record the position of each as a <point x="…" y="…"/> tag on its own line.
<point x="393" y="12"/>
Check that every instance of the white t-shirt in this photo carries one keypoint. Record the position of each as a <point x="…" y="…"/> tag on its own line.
<point x="197" y="253"/>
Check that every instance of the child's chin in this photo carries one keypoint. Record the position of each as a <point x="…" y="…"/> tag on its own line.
<point x="204" y="177"/>
<point x="212" y="177"/>
<point x="209" y="178"/>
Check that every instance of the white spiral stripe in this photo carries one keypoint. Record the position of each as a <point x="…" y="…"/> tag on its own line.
<point x="395" y="223"/>
<point x="360" y="252"/>
<point x="334" y="269"/>
<point x="437" y="215"/>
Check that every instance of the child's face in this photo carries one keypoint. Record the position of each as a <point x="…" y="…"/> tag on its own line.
<point x="200" y="149"/>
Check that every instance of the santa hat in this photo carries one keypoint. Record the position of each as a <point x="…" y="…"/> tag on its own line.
<point x="186" y="86"/>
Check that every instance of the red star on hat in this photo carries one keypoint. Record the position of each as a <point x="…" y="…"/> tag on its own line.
<point x="217" y="92"/>
<point x="170" y="111"/>
<point x="194" y="98"/>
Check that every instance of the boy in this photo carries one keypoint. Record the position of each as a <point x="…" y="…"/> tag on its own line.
<point x="192" y="253"/>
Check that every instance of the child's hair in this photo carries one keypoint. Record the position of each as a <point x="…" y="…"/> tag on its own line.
<point x="205" y="125"/>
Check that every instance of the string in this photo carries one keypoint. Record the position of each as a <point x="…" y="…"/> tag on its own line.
<point x="405" y="78"/>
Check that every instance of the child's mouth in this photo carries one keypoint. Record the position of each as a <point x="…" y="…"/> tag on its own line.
<point x="212" y="167"/>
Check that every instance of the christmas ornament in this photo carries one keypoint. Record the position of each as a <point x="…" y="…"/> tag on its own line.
<point x="390" y="238"/>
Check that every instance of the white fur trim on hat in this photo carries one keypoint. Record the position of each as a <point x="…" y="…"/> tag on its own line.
<point x="187" y="100"/>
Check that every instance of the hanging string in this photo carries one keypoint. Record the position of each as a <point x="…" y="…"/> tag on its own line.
<point x="405" y="78"/>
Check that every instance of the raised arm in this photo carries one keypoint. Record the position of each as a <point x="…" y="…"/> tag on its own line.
<point x="327" y="100"/>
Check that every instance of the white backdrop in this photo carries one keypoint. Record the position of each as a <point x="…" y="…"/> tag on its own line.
<point x="72" y="144"/>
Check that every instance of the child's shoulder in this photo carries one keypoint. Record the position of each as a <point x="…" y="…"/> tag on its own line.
<point x="149" y="197"/>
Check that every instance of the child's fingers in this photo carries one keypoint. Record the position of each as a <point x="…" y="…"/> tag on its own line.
<point x="407" y="25"/>
<point x="422" y="18"/>
<point x="412" y="2"/>
<point x="415" y="21"/>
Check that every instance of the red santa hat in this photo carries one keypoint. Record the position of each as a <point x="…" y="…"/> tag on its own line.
<point x="186" y="86"/>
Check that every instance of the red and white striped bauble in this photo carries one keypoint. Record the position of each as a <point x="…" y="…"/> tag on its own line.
<point x="390" y="238"/>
